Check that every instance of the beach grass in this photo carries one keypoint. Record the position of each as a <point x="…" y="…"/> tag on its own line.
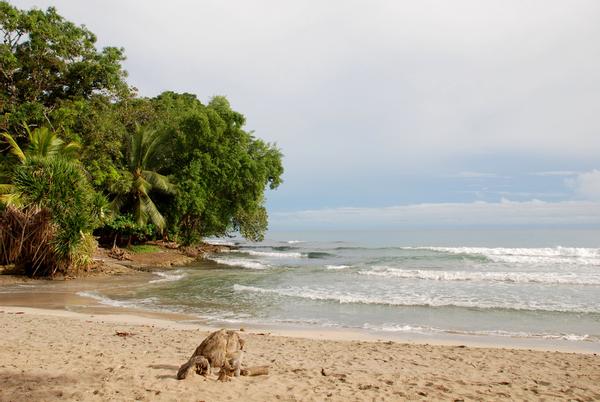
<point x="143" y="248"/>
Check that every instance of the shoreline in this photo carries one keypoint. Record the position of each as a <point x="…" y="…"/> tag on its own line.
<point x="72" y="304"/>
<point x="139" y="268"/>
<point x="105" y="264"/>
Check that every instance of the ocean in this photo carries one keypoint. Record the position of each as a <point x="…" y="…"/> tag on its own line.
<point x="485" y="283"/>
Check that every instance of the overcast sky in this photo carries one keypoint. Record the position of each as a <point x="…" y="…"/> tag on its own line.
<point x="385" y="106"/>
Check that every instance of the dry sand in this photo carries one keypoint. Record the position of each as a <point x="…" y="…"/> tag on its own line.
<point x="59" y="355"/>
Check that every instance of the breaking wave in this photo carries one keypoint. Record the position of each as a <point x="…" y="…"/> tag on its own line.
<point x="563" y="278"/>
<point x="411" y="300"/>
<point x="168" y="276"/>
<point x="271" y="254"/>
<point x="241" y="263"/>
<point x="220" y="242"/>
<point x="546" y="255"/>
<point x="334" y="267"/>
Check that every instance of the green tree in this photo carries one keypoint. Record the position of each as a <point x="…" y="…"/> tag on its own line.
<point x="133" y="190"/>
<point x="47" y="62"/>
<point x="222" y="170"/>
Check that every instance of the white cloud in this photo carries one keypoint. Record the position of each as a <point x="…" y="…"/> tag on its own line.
<point x="586" y="185"/>
<point x="475" y="175"/>
<point x="506" y="212"/>
<point x="553" y="173"/>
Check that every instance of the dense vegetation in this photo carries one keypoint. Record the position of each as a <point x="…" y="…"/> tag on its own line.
<point x="79" y="144"/>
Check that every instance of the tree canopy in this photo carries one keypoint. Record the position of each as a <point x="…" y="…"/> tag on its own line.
<point x="169" y="165"/>
<point x="47" y="63"/>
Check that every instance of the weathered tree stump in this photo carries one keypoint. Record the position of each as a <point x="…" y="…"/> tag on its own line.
<point x="222" y="349"/>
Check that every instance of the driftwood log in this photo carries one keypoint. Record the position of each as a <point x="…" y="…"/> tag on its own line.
<point x="255" y="370"/>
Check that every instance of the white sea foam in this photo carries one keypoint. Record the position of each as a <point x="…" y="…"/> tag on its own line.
<point x="295" y="241"/>
<point x="290" y="291"/>
<point x="546" y="255"/>
<point x="168" y="276"/>
<point x="335" y="267"/>
<point x="220" y="242"/>
<point x="402" y="328"/>
<point x="512" y="334"/>
<point x="150" y="301"/>
<point x="568" y="278"/>
<point x="569" y="337"/>
<point x="414" y="299"/>
<point x="238" y="262"/>
<point x="320" y="323"/>
<point x="271" y="254"/>
<point x="321" y="294"/>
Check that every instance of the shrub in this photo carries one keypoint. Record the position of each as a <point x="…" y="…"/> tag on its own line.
<point x="124" y="230"/>
<point x="60" y="186"/>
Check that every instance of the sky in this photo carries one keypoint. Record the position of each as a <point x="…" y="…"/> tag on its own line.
<point x="450" y="112"/>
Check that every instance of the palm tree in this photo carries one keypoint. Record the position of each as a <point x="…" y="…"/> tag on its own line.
<point x="143" y="162"/>
<point x="43" y="143"/>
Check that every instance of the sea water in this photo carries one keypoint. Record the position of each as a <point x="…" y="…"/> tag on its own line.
<point x="513" y="283"/>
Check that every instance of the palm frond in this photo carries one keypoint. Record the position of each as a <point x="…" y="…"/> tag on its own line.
<point x="44" y="143"/>
<point x="71" y="149"/>
<point x="12" y="198"/>
<point x="14" y="147"/>
<point x="151" y="212"/>
<point x="152" y="140"/>
<point x="158" y="181"/>
<point x="9" y="195"/>
<point x="141" y="186"/>
<point x="116" y="203"/>
<point x="134" y="144"/>
<point x="139" y="213"/>
<point x="6" y="188"/>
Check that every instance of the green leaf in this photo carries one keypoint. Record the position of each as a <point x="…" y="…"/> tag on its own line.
<point x="14" y="147"/>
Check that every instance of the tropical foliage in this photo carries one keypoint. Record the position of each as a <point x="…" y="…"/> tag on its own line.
<point x="169" y="166"/>
<point x="59" y="186"/>
<point x="141" y="177"/>
<point x="43" y="143"/>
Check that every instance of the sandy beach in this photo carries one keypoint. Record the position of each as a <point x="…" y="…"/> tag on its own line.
<point x="61" y="355"/>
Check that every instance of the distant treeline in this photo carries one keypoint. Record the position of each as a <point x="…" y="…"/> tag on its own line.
<point x="78" y="142"/>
